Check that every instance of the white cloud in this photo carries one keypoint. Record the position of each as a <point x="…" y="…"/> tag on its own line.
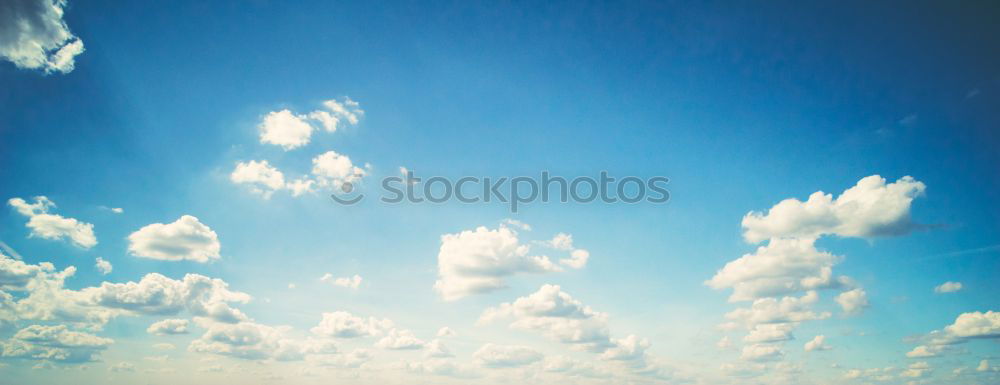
<point x="506" y="356"/>
<point x="627" y="349"/>
<point x="33" y="35"/>
<point x="563" y="241"/>
<point x="558" y="316"/>
<point x="817" y="344"/>
<point x="169" y="326"/>
<point x="332" y="169"/>
<point x="156" y="294"/>
<point x="53" y="226"/>
<point x="342" y="324"/>
<point x="399" y="339"/>
<point x="773" y="310"/>
<point x="290" y="131"/>
<point x="853" y="301"/>
<point x="916" y="369"/>
<point x="871" y="208"/>
<point x="770" y="332"/>
<point x="976" y="325"/>
<point x="56" y="343"/>
<point x="348" y="282"/>
<point x="437" y="349"/>
<point x="103" y="266"/>
<point x="783" y="266"/>
<point x="261" y="176"/>
<point x="184" y="239"/>
<point x="164" y="346"/>
<point x="446" y="332"/>
<point x="249" y="340"/>
<point x="285" y="129"/>
<point x="477" y="261"/>
<point x="924" y="351"/>
<point x="761" y="352"/>
<point x="948" y="287"/>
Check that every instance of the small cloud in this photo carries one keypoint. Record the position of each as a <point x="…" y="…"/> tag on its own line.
<point x="908" y="120"/>
<point x="948" y="287"/>
<point x="103" y="266"/>
<point x="348" y="282"/>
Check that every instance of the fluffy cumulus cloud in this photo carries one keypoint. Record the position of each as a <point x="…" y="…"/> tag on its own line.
<point x="333" y="169"/>
<point x="871" y="208"/>
<point x="156" y="294"/>
<point x="342" y="324"/>
<point x="285" y="129"/>
<point x="169" y="326"/>
<point x="562" y="241"/>
<point x="976" y="325"/>
<point x="506" y="356"/>
<point x="56" y="343"/>
<point x="558" y="316"/>
<point x="290" y="131"/>
<point x="789" y="263"/>
<point x="103" y="266"/>
<point x="853" y="301"/>
<point x="399" y="339"/>
<point x="46" y="225"/>
<point x="818" y="343"/>
<point x="477" y="261"/>
<point x="262" y="178"/>
<point x="33" y="35"/>
<point x="184" y="239"/>
<point x="254" y="341"/>
<point x="783" y="266"/>
<point x="948" y="287"/>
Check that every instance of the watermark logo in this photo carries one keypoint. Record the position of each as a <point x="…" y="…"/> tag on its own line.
<point x="513" y="191"/>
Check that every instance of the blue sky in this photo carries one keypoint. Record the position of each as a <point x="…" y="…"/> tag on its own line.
<point x="740" y="105"/>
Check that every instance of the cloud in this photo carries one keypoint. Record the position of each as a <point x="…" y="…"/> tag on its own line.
<point x="254" y="341"/>
<point x="817" y="344"/>
<point x="627" y="349"/>
<point x="53" y="226"/>
<point x="348" y="282"/>
<point x="761" y="352"/>
<point x="558" y="316"/>
<point x="290" y="131"/>
<point x="156" y="294"/>
<point x="33" y="35"/>
<point x="398" y="339"/>
<point x="562" y="241"/>
<point x="184" y="239"/>
<point x="333" y="169"/>
<point x="285" y="129"/>
<point x="924" y="351"/>
<point x="103" y="266"/>
<point x="773" y="310"/>
<point x="342" y="324"/>
<point x="56" y="343"/>
<point x="783" y="266"/>
<point x="477" y="261"/>
<point x="506" y="356"/>
<point x="169" y="326"/>
<point x="853" y="301"/>
<point x="948" y="287"/>
<point x="976" y="325"/>
<point x="437" y="349"/>
<point x="770" y="332"/>
<point x="871" y="208"/>
<point x="262" y="178"/>
<point x="446" y="332"/>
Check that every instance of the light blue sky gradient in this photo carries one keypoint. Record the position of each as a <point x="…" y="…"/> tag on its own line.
<point x="740" y="105"/>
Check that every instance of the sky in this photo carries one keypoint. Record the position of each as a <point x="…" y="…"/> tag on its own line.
<point x="168" y="172"/>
